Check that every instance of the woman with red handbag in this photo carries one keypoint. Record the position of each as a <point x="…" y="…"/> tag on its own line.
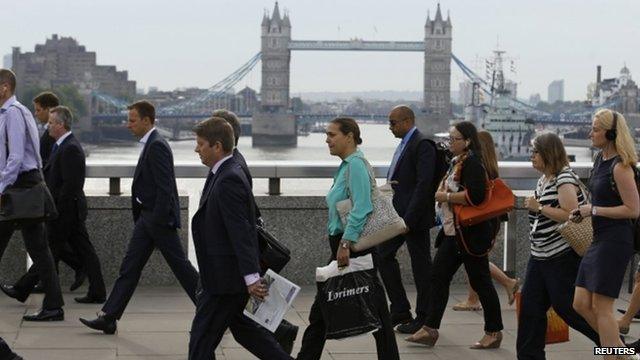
<point x="465" y="184"/>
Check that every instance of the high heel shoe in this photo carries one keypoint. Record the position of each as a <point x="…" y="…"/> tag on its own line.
<point x="490" y="340"/>
<point x="425" y="336"/>
<point x="511" y="293"/>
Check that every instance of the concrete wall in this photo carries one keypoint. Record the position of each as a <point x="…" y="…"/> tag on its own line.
<point x="298" y="221"/>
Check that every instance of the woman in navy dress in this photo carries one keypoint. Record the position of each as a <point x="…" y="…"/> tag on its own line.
<point x="615" y="205"/>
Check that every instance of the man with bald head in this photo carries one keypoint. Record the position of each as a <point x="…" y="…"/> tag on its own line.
<point x="411" y="175"/>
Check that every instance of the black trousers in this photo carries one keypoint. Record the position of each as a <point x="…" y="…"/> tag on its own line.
<point x="5" y="351"/>
<point x="548" y="283"/>
<point x="419" y="247"/>
<point x="448" y="259"/>
<point x="146" y="237"/>
<point x="315" y="336"/>
<point x="71" y="233"/>
<point x="215" y="313"/>
<point x="38" y="249"/>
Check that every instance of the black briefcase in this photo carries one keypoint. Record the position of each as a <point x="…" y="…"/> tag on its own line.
<point x="27" y="203"/>
<point x="273" y="254"/>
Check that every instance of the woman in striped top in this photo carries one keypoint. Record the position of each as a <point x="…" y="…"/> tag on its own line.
<point x="553" y="265"/>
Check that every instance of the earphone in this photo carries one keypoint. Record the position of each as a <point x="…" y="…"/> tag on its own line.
<point x="612" y="133"/>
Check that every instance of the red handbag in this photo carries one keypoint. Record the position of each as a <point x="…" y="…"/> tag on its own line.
<point x="498" y="200"/>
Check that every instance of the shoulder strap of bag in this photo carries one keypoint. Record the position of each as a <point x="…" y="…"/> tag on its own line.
<point x="29" y="140"/>
<point x="372" y="180"/>
<point x="581" y="186"/>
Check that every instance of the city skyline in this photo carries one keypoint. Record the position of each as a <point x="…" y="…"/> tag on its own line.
<point x="548" y="41"/>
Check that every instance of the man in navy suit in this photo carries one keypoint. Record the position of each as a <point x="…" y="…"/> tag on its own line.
<point x="411" y="175"/>
<point x="226" y="244"/>
<point x="156" y="213"/>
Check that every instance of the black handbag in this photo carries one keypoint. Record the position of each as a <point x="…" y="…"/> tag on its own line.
<point x="27" y="203"/>
<point x="273" y="254"/>
<point x="29" y="197"/>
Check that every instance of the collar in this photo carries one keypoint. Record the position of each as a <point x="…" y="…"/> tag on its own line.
<point x="61" y="139"/>
<point x="145" y="138"/>
<point x="356" y="153"/>
<point x="217" y="165"/>
<point x="408" y="135"/>
<point x="9" y="102"/>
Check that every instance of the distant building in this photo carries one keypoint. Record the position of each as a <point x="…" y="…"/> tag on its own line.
<point x="465" y="93"/>
<point x="512" y="86"/>
<point x="6" y="61"/>
<point x="534" y="99"/>
<point x="555" y="91"/>
<point x="62" y="61"/>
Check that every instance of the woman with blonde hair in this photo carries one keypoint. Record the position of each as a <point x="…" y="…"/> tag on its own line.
<point x="615" y="205"/>
<point x="510" y="285"/>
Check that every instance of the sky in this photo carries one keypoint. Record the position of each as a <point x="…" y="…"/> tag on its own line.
<point x="170" y="44"/>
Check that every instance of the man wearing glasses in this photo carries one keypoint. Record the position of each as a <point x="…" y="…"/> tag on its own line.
<point x="411" y="175"/>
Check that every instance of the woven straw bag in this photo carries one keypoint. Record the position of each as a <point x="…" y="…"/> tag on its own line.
<point x="578" y="235"/>
<point x="383" y="223"/>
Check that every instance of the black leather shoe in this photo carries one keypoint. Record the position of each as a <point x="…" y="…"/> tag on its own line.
<point x="286" y="335"/>
<point x="411" y="327"/>
<point x="46" y="315"/>
<point x="11" y="292"/>
<point x="79" y="280"/>
<point x="107" y="326"/>
<point x="636" y="316"/>
<point x="401" y="318"/>
<point x="38" y="289"/>
<point x="88" y="299"/>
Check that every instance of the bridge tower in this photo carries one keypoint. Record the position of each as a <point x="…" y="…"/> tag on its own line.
<point x="274" y="123"/>
<point x="437" y="71"/>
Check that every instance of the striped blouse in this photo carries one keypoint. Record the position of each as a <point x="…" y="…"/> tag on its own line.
<point x="546" y="241"/>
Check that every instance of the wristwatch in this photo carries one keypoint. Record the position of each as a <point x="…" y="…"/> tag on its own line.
<point x="593" y="211"/>
<point x="344" y="244"/>
<point x="540" y="209"/>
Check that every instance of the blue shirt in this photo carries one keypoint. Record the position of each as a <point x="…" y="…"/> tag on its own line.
<point x="16" y="121"/>
<point x="360" y="189"/>
<point x="399" y="151"/>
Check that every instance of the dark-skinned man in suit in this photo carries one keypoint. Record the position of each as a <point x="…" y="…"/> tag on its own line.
<point x="286" y="332"/>
<point x="226" y="244"/>
<point x="156" y="213"/>
<point x="411" y="176"/>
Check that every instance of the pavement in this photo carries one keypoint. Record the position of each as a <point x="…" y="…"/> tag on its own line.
<point x="157" y="321"/>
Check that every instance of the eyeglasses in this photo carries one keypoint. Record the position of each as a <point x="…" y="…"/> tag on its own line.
<point x="395" y="122"/>
<point x="453" y="139"/>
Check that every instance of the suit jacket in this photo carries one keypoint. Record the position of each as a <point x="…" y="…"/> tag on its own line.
<point x="64" y="175"/>
<point x="224" y="232"/>
<point x="245" y="168"/>
<point x="46" y="144"/>
<point x="414" y="176"/>
<point x="154" y="184"/>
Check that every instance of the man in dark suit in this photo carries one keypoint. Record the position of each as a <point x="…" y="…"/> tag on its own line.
<point x="42" y="103"/>
<point x="225" y="239"/>
<point x="411" y="175"/>
<point x="156" y="213"/>
<point x="64" y="175"/>
<point x="286" y="332"/>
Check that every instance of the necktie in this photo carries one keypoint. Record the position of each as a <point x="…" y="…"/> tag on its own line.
<point x="394" y="161"/>
<point x="206" y="186"/>
<point x="54" y="148"/>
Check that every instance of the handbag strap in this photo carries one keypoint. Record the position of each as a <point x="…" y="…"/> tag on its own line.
<point x="29" y="139"/>
<point x="583" y="188"/>
<point x="372" y="179"/>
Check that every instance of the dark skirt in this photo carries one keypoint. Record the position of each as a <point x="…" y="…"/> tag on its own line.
<point x="603" y="267"/>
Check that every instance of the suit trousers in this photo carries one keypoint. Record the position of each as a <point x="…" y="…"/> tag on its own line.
<point x="215" y="313"/>
<point x="5" y="351"/>
<point x="38" y="249"/>
<point x="448" y="259"/>
<point x="548" y="283"/>
<point x="71" y="233"/>
<point x="146" y="237"/>
<point x="419" y="247"/>
<point x="315" y="336"/>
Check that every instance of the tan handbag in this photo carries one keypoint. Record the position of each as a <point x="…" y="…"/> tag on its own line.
<point x="383" y="223"/>
<point x="578" y="235"/>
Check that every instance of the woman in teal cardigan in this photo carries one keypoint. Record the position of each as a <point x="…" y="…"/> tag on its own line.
<point x="343" y="138"/>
